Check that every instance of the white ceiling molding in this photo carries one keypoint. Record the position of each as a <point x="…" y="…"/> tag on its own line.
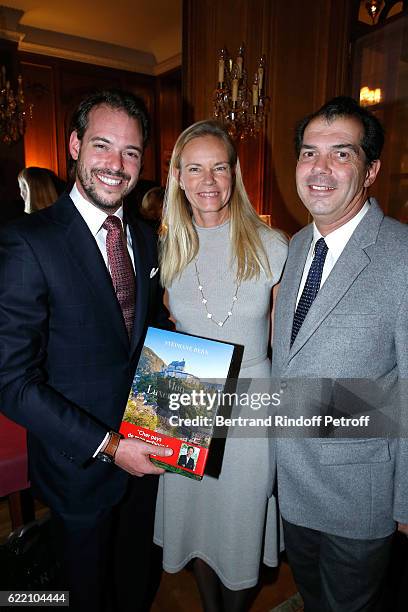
<point x="85" y="50"/>
<point x="77" y="56"/>
<point x="9" y="20"/>
<point x="10" y="35"/>
<point x="75" y="48"/>
<point x="169" y="64"/>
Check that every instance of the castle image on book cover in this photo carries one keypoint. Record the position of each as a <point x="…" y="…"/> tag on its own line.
<point x="178" y="365"/>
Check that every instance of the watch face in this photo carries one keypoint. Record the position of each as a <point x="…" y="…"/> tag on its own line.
<point x="105" y="458"/>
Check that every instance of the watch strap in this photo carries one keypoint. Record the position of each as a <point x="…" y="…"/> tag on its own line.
<point x="112" y="445"/>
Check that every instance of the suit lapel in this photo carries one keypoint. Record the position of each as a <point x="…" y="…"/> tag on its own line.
<point x="349" y="265"/>
<point x="290" y="286"/>
<point x="86" y="255"/>
<point x="142" y="285"/>
<point x="347" y="268"/>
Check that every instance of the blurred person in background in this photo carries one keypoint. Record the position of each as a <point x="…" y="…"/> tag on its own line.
<point x="151" y="206"/>
<point x="37" y="188"/>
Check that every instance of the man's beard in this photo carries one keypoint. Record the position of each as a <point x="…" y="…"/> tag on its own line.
<point x="87" y="181"/>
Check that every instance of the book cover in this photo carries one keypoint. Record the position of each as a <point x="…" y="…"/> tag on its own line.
<point x="175" y="394"/>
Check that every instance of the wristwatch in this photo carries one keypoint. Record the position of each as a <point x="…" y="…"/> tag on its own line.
<point x="107" y="455"/>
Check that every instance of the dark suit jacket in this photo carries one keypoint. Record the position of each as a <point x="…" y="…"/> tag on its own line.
<point x="187" y="464"/>
<point x="66" y="363"/>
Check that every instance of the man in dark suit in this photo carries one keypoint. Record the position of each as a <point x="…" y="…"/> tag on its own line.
<point x="187" y="460"/>
<point x="78" y="287"/>
<point x="340" y="351"/>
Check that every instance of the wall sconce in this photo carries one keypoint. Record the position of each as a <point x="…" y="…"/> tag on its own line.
<point x="239" y="106"/>
<point x="12" y="110"/>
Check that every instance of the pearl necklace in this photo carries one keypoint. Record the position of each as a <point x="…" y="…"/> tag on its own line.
<point x="204" y="300"/>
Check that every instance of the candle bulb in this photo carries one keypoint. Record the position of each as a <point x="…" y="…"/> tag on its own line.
<point x="240" y="60"/>
<point x="261" y="73"/>
<point x="234" y="90"/>
<point x="255" y="90"/>
<point x="221" y="65"/>
<point x="239" y="66"/>
<point x="255" y="94"/>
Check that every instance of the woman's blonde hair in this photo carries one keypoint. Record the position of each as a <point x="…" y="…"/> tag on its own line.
<point x="41" y="189"/>
<point x="178" y="236"/>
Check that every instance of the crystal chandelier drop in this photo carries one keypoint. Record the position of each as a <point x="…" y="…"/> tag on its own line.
<point x="13" y="111"/>
<point x="373" y="8"/>
<point x="239" y="105"/>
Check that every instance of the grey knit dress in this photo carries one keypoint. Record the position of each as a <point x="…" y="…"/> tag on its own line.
<point x="230" y="522"/>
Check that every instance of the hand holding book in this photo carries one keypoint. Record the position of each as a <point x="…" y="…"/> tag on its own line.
<point x="133" y="457"/>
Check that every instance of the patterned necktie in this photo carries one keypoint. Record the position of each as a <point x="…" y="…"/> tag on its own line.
<point x="311" y="287"/>
<point x="121" y="269"/>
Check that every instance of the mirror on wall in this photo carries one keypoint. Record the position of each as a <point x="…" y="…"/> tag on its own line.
<point x="380" y="81"/>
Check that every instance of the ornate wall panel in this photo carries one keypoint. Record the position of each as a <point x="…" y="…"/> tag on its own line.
<point x="307" y="55"/>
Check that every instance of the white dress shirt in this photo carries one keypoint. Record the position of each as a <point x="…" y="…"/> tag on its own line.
<point x="336" y="242"/>
<point x="95" y="218"/>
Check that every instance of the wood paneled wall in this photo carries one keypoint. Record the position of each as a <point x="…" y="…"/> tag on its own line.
<point x="169" y="122"/>
<point x="40" y="141"/>
<point x="307" y="54"/>
<point x="307" y="62"/>
<point x="55" y="87"/>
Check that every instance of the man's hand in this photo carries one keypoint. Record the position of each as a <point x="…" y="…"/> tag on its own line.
<point x="403" y="528"/>
<point x="133" y="457"/>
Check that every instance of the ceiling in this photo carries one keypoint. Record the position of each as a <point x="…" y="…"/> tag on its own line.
<point x="149" y="26"/>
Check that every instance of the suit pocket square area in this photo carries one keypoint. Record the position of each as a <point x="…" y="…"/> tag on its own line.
<point x="353" y="320"/>
<point x="153" y="272"/>
<point x="362" y="452"/>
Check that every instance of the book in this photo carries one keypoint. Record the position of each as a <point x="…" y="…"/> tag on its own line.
<point x="175" y="394"/>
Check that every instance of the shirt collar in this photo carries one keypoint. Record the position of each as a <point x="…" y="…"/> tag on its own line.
<point x="337" y="240"/>
<point x="93" y="216"/>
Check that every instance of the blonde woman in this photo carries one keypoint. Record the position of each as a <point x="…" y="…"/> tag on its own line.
<point x="219" y="263"/>
<point x="36" y="188"/>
